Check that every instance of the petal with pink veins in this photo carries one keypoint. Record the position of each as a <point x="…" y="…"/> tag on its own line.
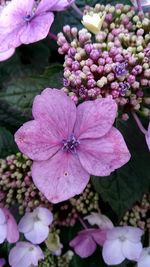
<point x="37" y="29"/>
<point x="57" y="110"/>
<point x="102" y="156"/>
<point x="59" y="182"/>
<point x="95" y="118"/>
<point x="37" y="140"/>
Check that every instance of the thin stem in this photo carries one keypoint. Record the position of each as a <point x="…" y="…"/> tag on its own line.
<point x="143" y="130"/>
<point x="139" y="5"/>
<point x="83" y="223"/>
<point x="52" y="36"/>
<point x="77" y="10"/>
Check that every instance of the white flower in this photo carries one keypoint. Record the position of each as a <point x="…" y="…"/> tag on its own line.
<point x="93" y="22"/>
<point x="102" y="221"/>
<point x="144" y="260"/>
<point x="35" y="225"/>
<point x="122" y="242"/>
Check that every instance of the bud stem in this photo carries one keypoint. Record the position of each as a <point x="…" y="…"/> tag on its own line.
<point x="143" y="130"/>
<point x="77" y="10"/>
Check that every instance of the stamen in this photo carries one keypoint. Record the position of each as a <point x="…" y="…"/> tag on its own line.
<point x="70" y="144"/>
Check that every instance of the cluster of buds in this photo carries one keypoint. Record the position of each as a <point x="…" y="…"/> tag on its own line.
<point x="69" y="212"/>
<point x="56" y="261"/>
<point x="116" y="61"/>
<point x="16" y="185"/>
<point x="138" y="216"/>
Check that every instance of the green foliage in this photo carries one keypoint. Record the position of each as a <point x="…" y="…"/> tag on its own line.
<point x="7" y="144"/>
<point x="127" y="184"/>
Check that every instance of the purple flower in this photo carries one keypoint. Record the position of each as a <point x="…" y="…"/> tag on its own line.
<point x="68" y="144"/>
<point x="24" y="22"/>
<point x="2" y="262"/>
<point x="7" y="54"/>
<point x="8" y="227"/>
<point x="102" y="221"/>
<point x="123" y="88"/>
<point x="122" y="242"/>
<point x="120" y="69"/>
<point x="86" y="241"/>
<point x="144" y="259"/>
<point x="35" y="225"/>
<point x="25" y="254"/>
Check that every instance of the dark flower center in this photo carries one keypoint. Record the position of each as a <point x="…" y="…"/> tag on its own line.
<point x="70" y="144"/>
<point x="120" y="69"/>
<point x="28" y="17"/>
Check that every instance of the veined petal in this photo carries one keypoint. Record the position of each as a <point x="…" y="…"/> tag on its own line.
<point x="61" y="177"/>
<point x="37" y="29"/>
<point x="55" y="5"/>
<point x="12" y="229"/>
<point x="95" y="118"/>
<point x="57" y="110"/>
<point x="103" y="155"/>
<point x="37" y="140"/>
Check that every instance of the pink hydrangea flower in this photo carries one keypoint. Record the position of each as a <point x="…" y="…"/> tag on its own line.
<point x="25" y="254"/>
<point x="121" y="243"/>
<point x="35" y="225"/>
<point x="24" y="22"/>
<point x="85" y="243"/>
<point x="8" y="227"/>
<point x="68" y="144"/>
<point x="144" y="260"/>
<point x="147" y="136"/>
<point x="2" y="262"/>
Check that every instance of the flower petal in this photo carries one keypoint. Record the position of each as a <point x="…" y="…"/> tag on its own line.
<point x="3" y="232"/>
<point x="61" y="177"/>
<point x="112" y="253"/>
<point x="133" y="233"/>
<point x="7" y="54"/>
<point x="147" y="136"/>
<point x="45" y="215"/>
<point x="55" y="5"/>
<point x="95" y="118"/>
<point x="12" y="228"/>
<point x="102" y="156"/>
<point x="26" y="223"/>
<point x="57" y="110"/>
<point x="99" y="236"/>
<point x="37" y="29"/>
<point x="83" y="245"/>
<point x="38" y="234"/>
<point x="131" y="250"/>
<point x="37" y="140"/>
<point x="144" y="259"/>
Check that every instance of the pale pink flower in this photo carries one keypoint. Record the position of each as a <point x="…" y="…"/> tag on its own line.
<point x="102" y="221"/>
<point x="122" y="243"/>
<point x="68" y="144"/>
<point x="2" y="262"/>
<point x="8" y="227"/>
<point x="24" y="22"/>
<point x="147" y="136"/>
<point x="7" y="54"/>
<point x="85" y="243"/>
<point x="35" y="225"/>
<point x="144" y="259"/>
<point x="25" y="254"/>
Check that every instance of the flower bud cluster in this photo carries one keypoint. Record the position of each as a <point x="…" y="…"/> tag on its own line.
<point x="16" y="185"/>
<point x="138" y="216"/>
<point x="56" y="261"/>
<point x="116" y="61"/>
<point x="69" y="212"/>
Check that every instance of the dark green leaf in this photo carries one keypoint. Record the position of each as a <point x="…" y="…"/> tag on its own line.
<point x="7" y="144"/>
<point x="127" y="184"/>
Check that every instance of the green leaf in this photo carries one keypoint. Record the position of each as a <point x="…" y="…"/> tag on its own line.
<point x="18" y="93"/>
<point x="7" y="144"/>
<point x="127" y="184"/>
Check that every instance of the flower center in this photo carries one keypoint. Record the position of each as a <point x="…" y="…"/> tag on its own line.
<point x="70" y="144"/>
<point x="27" y="18"/>
<point x="122" y="238"/>
<point x="120" y="69"/>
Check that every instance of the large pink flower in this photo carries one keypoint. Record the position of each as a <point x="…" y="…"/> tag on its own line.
<point x="24" y="22"/>
<point x="8" y="227"/>
<point x="68" y="144"/>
